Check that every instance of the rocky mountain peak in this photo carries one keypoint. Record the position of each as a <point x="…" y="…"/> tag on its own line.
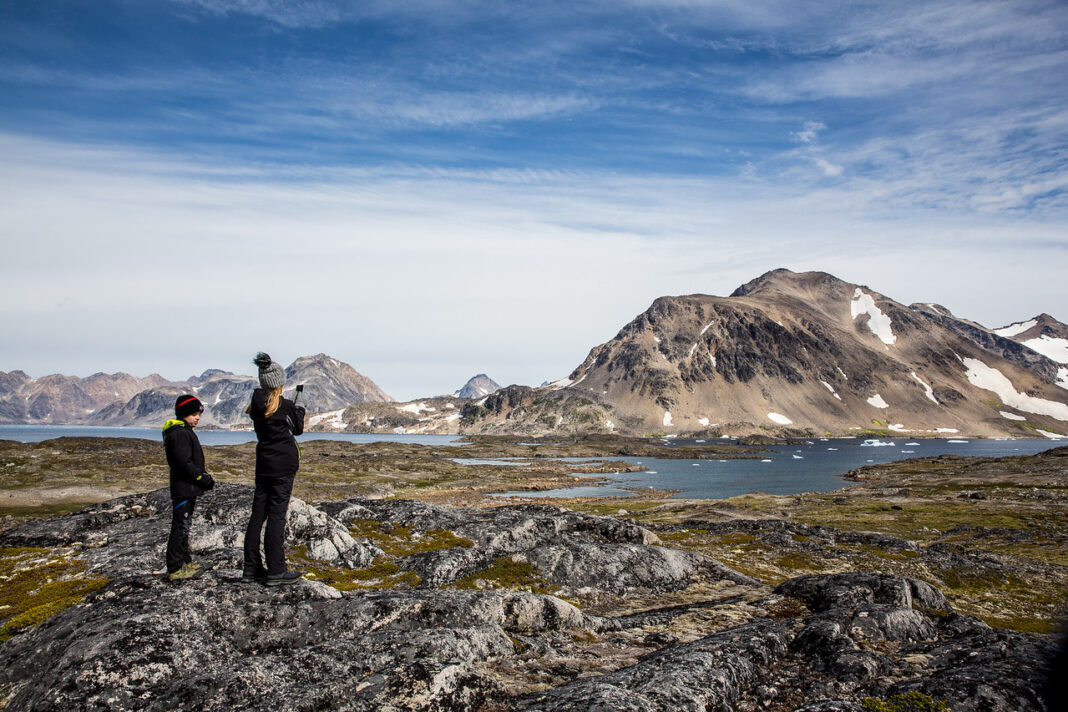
<point x="478" y="386"/>
<point x="807" y="353"/>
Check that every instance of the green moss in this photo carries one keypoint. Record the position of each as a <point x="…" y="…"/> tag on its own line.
<point x="507" y="573"/>
<point x="907" y="702"/>
<point x="37" y="585"/>
<point x="397" y="540"/>
<point x="797" y="560"/>
<point x="380" y="574"/>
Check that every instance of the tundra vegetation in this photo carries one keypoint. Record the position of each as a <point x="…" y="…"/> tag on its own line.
<point x="990" y="534"/>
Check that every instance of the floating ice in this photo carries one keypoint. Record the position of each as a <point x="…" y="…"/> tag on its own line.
<point x="877" y="401"/>
<point x="878" y="322"/>
<point x="780" y="419"/>
<point x="982" y="376"/>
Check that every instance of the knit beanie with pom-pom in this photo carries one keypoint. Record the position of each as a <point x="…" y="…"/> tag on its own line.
<point x="272" y="375"/>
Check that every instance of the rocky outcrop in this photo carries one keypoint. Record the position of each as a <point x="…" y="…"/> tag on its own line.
<point x="449" y="640"/>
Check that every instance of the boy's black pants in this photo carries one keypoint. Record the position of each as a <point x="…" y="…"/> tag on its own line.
<point x="178" y="542"/>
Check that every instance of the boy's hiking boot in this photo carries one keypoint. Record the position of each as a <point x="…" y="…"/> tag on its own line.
<point x="283" y="578"/>
<point x="258" y="576"/>
<point x="188" y="571"/>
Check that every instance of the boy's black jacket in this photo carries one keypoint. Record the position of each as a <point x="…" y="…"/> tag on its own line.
<point x="186" y="460"/>
<point x="276" y="449"/>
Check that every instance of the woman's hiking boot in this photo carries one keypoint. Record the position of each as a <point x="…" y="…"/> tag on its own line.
<point x="256" y="576"/>
<point x="283" y="578"/>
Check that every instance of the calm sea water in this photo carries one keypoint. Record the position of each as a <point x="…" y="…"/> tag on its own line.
<point x="37" y="433"/>
<point x="784" y="469"/>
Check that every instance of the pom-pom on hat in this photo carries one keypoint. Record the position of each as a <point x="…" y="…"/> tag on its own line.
<point x="186" y="405"/>
<point x="272" y="375"/>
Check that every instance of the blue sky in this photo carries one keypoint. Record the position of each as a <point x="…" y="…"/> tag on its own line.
<point x="432" y="189"/>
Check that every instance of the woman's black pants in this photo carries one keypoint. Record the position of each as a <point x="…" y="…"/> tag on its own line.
<point x="270" y="502"/>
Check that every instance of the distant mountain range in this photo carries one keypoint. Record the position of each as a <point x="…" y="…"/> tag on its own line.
<point x="121" y="399"/>
<point x="787" y="354"/>
<point x="805" y="355"/>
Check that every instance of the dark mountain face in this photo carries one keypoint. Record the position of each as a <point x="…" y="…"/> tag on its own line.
<point x="806" y="354"/>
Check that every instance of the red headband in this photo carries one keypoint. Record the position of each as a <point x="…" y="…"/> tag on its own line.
<point x="185" y="401"/>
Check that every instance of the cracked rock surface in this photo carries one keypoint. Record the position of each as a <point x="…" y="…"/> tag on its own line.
<point x="679" y="631"/>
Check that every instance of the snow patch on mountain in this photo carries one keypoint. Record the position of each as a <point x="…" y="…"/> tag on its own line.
<point x="667" y="419"/>
<point x="1050" y="347"/>
<point x="982" y="376"/>
<point x="331" y="418"/>
<point x="929" y="392"/>
<point x="1062" y="377"/>
<point x="707" y="326"/>
<point x="779" y="418"/>
<point x="417" y="408"/>
<point x="878" y="322"/>
<point x="703" y="421"/>
<point x="877" y="401"/>
<point x="1014" y="329"/>
<point x="831" y="389"/>
<point x="1011" y="416"/>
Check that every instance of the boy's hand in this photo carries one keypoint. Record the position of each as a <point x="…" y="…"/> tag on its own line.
<point x="205" y="482"/>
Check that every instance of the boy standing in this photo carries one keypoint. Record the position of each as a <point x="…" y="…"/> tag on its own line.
<point x="188" y="481"/>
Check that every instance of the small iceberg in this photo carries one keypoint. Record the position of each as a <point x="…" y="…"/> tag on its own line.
<point x="798" y="457"/>
<point x="874" y="442"/>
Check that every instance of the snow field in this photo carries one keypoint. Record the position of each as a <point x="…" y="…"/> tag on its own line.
<point x="878" y="322"/>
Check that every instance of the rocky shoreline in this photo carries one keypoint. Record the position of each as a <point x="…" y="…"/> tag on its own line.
<point x="415" y="606"/>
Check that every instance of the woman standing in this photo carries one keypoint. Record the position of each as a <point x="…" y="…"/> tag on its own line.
<point x="276" y="420"/>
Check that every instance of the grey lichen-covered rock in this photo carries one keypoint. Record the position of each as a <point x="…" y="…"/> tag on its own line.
<point x="572" y="550"/>
<point x="212" y="643"/>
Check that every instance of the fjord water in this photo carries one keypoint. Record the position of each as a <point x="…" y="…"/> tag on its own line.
<point x="37" y="433"/>
<point x="784" y="469"/>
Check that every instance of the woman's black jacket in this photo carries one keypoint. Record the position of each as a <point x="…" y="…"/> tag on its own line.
<point x="185" y="457"/>
<point x="276" y="448"/>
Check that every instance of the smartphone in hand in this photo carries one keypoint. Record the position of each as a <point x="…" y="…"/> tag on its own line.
<point x="300" y="388"/>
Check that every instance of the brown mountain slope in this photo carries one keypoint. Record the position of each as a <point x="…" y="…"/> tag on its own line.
<point x="795" y="352"/>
